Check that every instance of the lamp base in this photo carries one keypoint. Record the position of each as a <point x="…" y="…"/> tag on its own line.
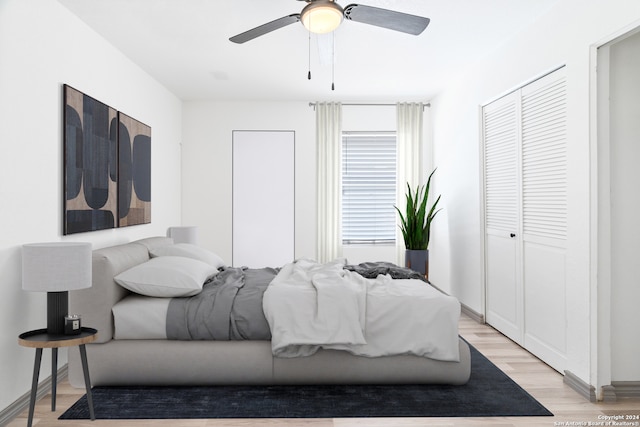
<point x="57" y="309"/>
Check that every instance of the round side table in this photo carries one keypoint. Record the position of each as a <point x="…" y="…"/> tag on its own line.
<point x="40" y="339"/>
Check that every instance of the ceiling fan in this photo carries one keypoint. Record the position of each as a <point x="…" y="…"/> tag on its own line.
<point x="323" y="16"/>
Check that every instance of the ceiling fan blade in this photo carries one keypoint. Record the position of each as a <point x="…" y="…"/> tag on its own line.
<point x="385" y="18"/>
<point x="265" y="28"/>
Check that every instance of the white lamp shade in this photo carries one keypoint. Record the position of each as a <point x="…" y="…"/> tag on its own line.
<point x="56" y="266"/>
<point x="184" y="234"/>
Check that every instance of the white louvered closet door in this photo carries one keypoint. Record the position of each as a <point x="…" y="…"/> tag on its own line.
<point x="502" y="215"/>
<point x="525" y="279"/>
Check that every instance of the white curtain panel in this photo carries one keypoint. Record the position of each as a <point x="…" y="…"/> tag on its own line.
<point x="329" y="148"/>
<point x="409" y="131"/>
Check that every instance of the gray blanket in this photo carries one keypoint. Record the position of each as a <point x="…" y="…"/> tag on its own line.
<point x="371" y="270"/>
<point x="230" y="305"/>
<point x="228" y="308"/>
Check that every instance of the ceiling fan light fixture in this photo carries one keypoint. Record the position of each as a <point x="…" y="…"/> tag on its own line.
<point x="321" y="16"/>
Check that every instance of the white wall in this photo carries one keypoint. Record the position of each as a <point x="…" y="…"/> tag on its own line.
<point x="564" y="36"/>
<point x="207" y="177"/>
<point x="43" y="46"/>
<point x="207" y="167"/>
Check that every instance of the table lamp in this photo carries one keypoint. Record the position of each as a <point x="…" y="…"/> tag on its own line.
<point x="184" y="234"/>
<point x="56" y="268"/>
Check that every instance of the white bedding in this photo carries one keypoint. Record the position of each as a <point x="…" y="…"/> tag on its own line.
<point x="311" y="306"/>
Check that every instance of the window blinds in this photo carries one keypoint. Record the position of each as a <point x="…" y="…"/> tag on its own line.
<point x="368" y="187"/>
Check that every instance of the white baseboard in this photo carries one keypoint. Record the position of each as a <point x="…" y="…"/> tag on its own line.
<point x="22" y="403"/>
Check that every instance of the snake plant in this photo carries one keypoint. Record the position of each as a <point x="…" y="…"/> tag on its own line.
<point x="416" y="222"/>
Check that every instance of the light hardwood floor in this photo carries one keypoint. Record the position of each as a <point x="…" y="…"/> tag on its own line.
<point x="542" y="382"/>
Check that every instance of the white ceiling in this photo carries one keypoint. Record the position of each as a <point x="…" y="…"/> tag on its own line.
<point x="184" y="45"/>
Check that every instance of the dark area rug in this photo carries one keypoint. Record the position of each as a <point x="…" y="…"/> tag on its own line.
<point x="489" y="393"/>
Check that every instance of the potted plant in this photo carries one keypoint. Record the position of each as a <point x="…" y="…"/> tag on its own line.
<point x="416" y="226"/>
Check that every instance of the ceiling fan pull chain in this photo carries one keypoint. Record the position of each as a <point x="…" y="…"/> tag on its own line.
<point x="309" y="55"/>
<point x="333" y="60"/>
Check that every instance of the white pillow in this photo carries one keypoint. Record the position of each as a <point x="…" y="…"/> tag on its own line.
<point x="190" y="251"/>
<point x="166" y="277"/>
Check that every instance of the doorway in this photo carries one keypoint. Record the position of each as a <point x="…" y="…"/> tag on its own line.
<point x="616" y="289"/>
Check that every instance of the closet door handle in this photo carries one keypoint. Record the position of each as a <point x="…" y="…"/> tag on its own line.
<point x="512" y="235"/>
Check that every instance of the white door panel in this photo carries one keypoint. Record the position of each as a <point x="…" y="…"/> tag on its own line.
<point x="503" y="296"/>
<point x="263" y="198"/>
<point x="545" y="303"/>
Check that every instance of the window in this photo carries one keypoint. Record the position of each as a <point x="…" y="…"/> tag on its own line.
<point x="368" y="188"/>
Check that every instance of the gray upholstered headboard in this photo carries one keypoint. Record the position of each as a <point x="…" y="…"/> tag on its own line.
<point x="94" y="304"/>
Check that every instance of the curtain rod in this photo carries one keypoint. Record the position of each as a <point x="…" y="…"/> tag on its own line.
<point x="351" y="104"/>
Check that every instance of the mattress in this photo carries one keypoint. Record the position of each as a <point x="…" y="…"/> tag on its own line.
<point x="138" y="317"/>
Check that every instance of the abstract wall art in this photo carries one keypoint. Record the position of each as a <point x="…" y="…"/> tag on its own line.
<point x="90" y="163"/>
<point x="134" y="176"/>
<point x="107" y="166"/>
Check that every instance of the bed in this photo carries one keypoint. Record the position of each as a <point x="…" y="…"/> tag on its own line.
<point x="135" y="348"/>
